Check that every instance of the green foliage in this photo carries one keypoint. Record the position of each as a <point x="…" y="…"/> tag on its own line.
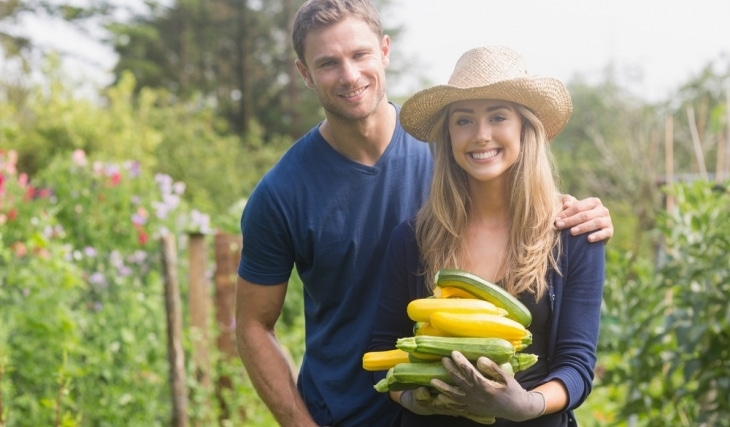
<point x="218" y="169"/>
<point x="609" y="149"/>
<point x="150" y="130"/>
<point x="82" y="330"/>
<point x="672" y="327"/>
<point x="52" y="121"/>
<point x="40" y="329"/>
<point x="631" y="308"/>
<point x="83" y="316"/>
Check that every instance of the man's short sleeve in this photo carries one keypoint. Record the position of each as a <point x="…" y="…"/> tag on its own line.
<point x="267" y="255"/>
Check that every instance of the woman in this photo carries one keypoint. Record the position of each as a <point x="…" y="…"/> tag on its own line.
<point x="490" y="212"/>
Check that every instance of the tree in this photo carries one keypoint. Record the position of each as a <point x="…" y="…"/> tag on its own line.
<point x="235" y="54"/>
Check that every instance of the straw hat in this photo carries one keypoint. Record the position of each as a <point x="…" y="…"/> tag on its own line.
<point x="492" y="72"/>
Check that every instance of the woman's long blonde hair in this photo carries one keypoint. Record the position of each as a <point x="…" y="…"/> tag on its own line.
<point x="534" y="243"/>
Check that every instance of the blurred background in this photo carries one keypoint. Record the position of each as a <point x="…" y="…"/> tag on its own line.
<point x="131" y="133"/>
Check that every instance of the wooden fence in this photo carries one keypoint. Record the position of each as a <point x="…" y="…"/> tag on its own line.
<point x="201" y="301"/>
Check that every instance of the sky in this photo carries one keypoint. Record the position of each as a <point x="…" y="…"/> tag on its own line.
<point x="654" y="45"/>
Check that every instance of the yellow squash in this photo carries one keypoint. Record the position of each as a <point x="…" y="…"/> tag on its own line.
<point x="479" y="325"/>
<point x="421" y="309"/>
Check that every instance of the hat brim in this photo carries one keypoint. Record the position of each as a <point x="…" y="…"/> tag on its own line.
<point x="547" y="97"/>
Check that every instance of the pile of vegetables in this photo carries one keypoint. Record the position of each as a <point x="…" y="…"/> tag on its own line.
<point x="467" y="314"/>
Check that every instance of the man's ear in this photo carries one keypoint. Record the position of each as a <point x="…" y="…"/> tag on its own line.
<point x="304" y="73"/>
<point x="385" y="50"/>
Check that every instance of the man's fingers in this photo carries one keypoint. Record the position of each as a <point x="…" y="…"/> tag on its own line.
<point x="573" y="216"/>
<point x="592" y="224"/>
<point x="604" y="234"/>
<point x="567" y="200"/>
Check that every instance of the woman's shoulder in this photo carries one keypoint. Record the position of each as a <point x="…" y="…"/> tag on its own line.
<point x="579" y="249"/>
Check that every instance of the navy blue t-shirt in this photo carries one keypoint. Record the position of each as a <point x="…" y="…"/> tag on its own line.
<point x="332" y="218"/>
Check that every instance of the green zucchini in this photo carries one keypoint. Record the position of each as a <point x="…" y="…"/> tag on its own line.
<point x="487" y="291"/>
<point x="497" y="349"/>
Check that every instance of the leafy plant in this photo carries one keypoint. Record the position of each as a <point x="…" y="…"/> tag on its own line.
<point x="676" y="324"/>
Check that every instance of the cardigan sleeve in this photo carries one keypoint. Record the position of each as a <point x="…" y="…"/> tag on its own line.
<point x="578" y="293"/>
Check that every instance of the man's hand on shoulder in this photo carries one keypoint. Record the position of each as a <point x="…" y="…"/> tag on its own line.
<point x="585" y="216"/>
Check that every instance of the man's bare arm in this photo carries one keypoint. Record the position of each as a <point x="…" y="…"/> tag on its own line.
<point x="257" y="310"/>
<point x="585" y="216"/>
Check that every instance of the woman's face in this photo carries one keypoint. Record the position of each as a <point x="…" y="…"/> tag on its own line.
<point x="485" y="136"/>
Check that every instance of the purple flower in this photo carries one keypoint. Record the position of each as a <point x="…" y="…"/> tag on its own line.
<point x="200" y="221"/>
<point x="111" y="170"/>
<point x="138" y="257"/>
<point x="134" y="168"/>
<point x="138" y="219"/>
<point x="164" y="182"/>
<point x="124" y="271"/>
<point x="115" y="259"/>
<point x="98" y="280"/>
<point x="179" y="188"/>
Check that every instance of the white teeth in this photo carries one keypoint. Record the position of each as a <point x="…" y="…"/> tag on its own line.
<point x="484" y="155"/>
<point x="354" y="93"/>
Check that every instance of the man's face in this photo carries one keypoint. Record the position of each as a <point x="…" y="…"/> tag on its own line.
<point x="345" y="65"/>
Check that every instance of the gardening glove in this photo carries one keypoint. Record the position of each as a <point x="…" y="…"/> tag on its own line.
<point x="487" y="390"/>
<point x="422" y="402"/>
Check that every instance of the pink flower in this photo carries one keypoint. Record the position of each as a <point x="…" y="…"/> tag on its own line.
<point x="142" y="237"/>
<point x="79" y="158"/>
<point x="44" y="193"/>
<point x="9" y="165"/>
<point x="115" y="178"/>
<point x="29" y="193"/>
<point x="20" y="249"/>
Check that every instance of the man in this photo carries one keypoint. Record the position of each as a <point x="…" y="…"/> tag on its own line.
<point x="328" y="208"/>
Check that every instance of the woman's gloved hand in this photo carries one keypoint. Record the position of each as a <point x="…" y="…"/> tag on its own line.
<point x="487" y="390"/>
<point x="422" y="402"/>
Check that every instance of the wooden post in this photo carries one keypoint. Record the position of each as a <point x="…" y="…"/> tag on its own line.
<point x="669" y="161"/>
<point x="199" y="300"/>
<point x="175" y="353"/>
<point x="723" y="146"/>
<point x="227" y="256"/>
<point x="696" y="143"/>
<point x="720" y="161"/>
